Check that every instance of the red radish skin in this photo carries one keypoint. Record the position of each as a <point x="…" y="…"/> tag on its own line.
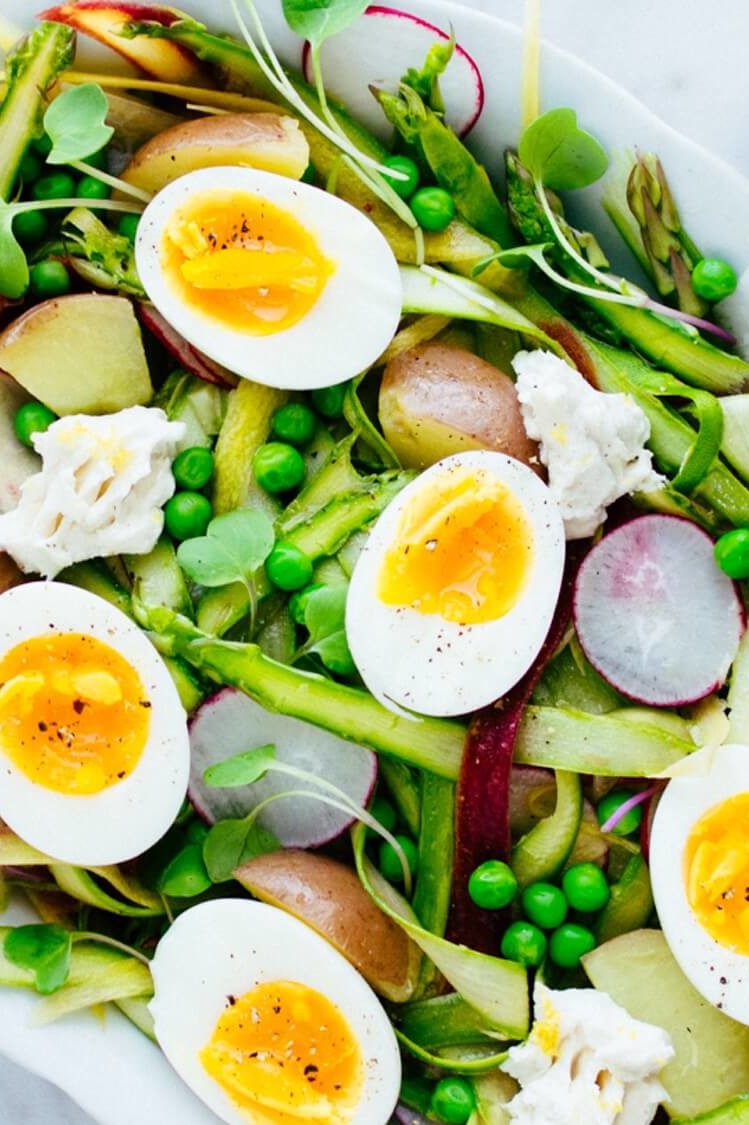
<point x="654" y="614"/>
<point x="186" y="355"/>
<point x="230" y="723"/>
<point x="483" y="800"/>
<point x="396" y="36"/>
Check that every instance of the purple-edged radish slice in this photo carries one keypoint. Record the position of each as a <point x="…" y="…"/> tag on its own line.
<point x="655" y="615"/>
<point x="194" y="361"/>
<point x="230" y="723"/>
<point x="392" y="41"/>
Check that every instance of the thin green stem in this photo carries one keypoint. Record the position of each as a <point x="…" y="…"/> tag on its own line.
<point x="112" y="181"/>
<point x="91" y="204"/>
<point x="103" y="939"/>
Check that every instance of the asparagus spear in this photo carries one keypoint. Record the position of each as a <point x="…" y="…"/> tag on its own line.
<point x="30" y="71"/>
<point x="667" y="343"/>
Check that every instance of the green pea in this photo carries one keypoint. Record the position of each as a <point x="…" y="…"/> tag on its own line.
<point x="453" y="1100"/>
<point x="186" y="875"/>
<point x="569" y="943"/>
<point x="409" y="168"/>
<point x="328" y="401"/>
<point x="187" y="515"/>
<point x="42" y="145"/>
<point x="390" y="864"/>
<point x="32" y="418"/>
<point x="433" y="208"/>
<point x="49" y="278"/>
<point x="732" y="553"/>
<point x="30" y="227"/>
<point x="193" y="467"/>
<point x="287" y="567"/>
<point x="713" y="279"/>
<point x="55" y="185"/>
<point x="294" y="423"/>
<point x="30" y="167"/>
<point x="586" y="888"/>
<point x="544" y="904"/>
<point x="299" y="599"/>
<point x="278" y="467"/>
<point x="492" y="885"/>
<point x="525" y="943"/>
<point x="91" y="187"/>
<point x="128" y="226"/>
<point x="384" y="812"/>
<point x="608" y="805"/>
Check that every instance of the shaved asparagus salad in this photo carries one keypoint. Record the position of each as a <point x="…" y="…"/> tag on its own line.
<point x="373" y="676"/>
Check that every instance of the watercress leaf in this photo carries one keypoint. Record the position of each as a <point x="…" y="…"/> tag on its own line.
<point x="318" y="20"/>
<point x="14" y="269"/>
<point x="232" y="842"/>
<point x="75" y="123"/>
<point x="334" y="652"/>
<point x="232" y="549"/>
<point x="241" y="769"/>
<point x="186" y="875"/>
<point x="259" y="841"/>
<point x="325" y="611"/>
<point x="45" y="950"/>
<point x="559" y="154"/>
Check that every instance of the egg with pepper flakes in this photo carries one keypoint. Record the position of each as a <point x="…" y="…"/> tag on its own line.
<point x="699" y="868"/>
<point x="455" y="589"/>
<point x="94" y="750"/>
<point x="279" y="281"/>
<point x="268" y="1023"/>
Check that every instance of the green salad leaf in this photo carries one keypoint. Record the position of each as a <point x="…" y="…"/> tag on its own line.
<point x="318" y="20"/>
<point x="45" y="950"/>
<point x="559" y="154"/>
<point x="241" y="769"/>
<point x="232" y="549"/>
<point x="76" y="123"/>
<point x="14" y="269"/>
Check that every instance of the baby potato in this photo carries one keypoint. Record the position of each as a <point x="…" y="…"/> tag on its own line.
<point x="328" y="896"/>
<point x="268" y="141"/>
<point x="437" y="399"/>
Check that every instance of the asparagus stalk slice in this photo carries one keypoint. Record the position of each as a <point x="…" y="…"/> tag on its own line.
<point x="667" y="343"/>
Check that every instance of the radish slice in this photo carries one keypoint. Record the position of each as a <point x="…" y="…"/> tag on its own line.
<point x="655" y="615"/>
<point x="189" y="357"/>
<point x="229" y="723"/>
<point x="392" y="41"/>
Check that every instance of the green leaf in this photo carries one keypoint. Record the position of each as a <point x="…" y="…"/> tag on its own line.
<point x="559" y="154"/>
<point x="14" y="269"/>
<point x="232" y="842"/>
<point x="75" y="123"/>
<point x="325" y="618"/>
<point x="241" y="769"/>
<point x="185" y="876"/>
<point x="232" y="549"/>
<point x="45" y="950"/>
<point x="516" y="258"/>
<point x="318" y="20"/>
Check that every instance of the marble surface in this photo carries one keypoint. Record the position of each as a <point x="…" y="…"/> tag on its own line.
<point x="686" y="60"/>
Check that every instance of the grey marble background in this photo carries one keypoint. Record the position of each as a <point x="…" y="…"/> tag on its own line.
<point x="687" y="60"/>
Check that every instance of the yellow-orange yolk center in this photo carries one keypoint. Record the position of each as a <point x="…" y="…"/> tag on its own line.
<point x="74" y="715"/>
<point x="285" y="1053"/>
<point x="462" y="549"/>
<point x="716" y="867"/>
<point x="243" y="261"/>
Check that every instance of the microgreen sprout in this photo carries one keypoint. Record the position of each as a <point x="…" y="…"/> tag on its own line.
<point x="228" y="841"/>
<point x="43" y="948"/>
<point x="324" y="616"/>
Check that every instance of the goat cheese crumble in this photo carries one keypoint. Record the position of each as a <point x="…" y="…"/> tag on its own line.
<point x="592" y="444"/>
<point x="100" y="491"/>
<point x="586" y="1060"/>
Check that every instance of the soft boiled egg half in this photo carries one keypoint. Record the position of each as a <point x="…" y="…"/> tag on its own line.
<point x="269" y="1024"/>
<point x="699" y="868"/>
<point x="279" y="281"/>
<point x="94" y="750"/>
<point x="455" y="589"/>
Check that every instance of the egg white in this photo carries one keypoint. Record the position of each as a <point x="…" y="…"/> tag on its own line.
<point x="347" y="328"/>
<point x="122" y="821"/>
<point x="422" y="663"/>
<point x="721" y="975"/>
<point x="228" y="947"/>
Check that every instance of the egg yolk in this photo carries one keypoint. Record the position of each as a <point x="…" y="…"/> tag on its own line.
<point x="286" y="1053"/>
<point x="462" y="550"/>
<point x="243" y="261"/>
<point x="74" y="715"/>
<point x="716" y="861"/>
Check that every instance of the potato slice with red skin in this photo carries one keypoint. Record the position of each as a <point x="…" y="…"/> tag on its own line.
<point x="437" y="399"/>
<point x="328" y="896"/>
<point x="268" y="141"/>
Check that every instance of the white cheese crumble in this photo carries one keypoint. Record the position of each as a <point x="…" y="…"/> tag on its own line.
<point x="593" y="444"/>
<point x="100" y="490"/>
<point x="586" y="1060"/>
